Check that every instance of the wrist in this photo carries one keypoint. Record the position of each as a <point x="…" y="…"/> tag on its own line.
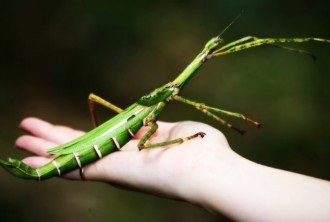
<point x="219" y="178"/>
<point x="208" y="180"/>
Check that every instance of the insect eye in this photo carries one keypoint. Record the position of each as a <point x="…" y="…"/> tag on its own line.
<point x="218" y="40"/>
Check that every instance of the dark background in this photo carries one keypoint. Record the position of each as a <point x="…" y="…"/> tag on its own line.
<point x="54" y="53"/>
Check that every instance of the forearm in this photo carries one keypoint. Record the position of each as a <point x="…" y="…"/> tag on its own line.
<point x="244" y="190"/>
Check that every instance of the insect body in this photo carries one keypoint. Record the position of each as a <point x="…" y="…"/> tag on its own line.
<point x="116" y="132"/>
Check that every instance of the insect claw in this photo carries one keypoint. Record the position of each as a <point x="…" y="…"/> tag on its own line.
<point x="257" y="124"/>
<point x="141" y="147"/>
<point x="201" y="134"/>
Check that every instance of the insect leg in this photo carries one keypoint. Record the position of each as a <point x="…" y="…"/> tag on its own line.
<point x="92" y="99"/>
<point x="208" y="111"/>
<point x="143" y="144"/>
<point x="238" y="42"/>
<point x="150" y="121"/>
<point x="250" y="41"/>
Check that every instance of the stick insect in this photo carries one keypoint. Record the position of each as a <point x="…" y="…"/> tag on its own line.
<point x="117" y="131"/>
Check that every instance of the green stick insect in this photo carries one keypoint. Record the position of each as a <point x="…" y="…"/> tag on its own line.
<point x="116" y="132"/>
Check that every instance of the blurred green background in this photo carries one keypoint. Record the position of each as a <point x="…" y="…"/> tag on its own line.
<point x="54" y="53"/>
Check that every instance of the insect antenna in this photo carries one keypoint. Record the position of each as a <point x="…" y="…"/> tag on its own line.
<point x="231" y="23"/>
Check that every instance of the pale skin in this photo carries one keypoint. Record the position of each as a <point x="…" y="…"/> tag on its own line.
<point x="205" y="172"/>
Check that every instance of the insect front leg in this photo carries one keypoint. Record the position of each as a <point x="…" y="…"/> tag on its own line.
<point x="208" y="111"/>
<point x="92" y="99"/>
<point x="251" y="41"/>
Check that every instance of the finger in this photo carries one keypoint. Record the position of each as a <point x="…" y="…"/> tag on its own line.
<point x="36" y="161"/>
<point x="34" y="145"/>
<point x="47" y="131"/>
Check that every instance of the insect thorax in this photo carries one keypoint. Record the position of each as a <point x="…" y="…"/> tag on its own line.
<point x="158" y="95"/>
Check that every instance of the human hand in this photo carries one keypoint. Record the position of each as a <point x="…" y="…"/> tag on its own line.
<point x="173" y="172"/>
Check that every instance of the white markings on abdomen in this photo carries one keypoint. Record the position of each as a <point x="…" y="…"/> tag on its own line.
<point x="57" y="167"/>
<point x="115" y="142"/>
<point x="76" y="156"/>
<point x="38" y="173"/>
<point x="97" y="150"/>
